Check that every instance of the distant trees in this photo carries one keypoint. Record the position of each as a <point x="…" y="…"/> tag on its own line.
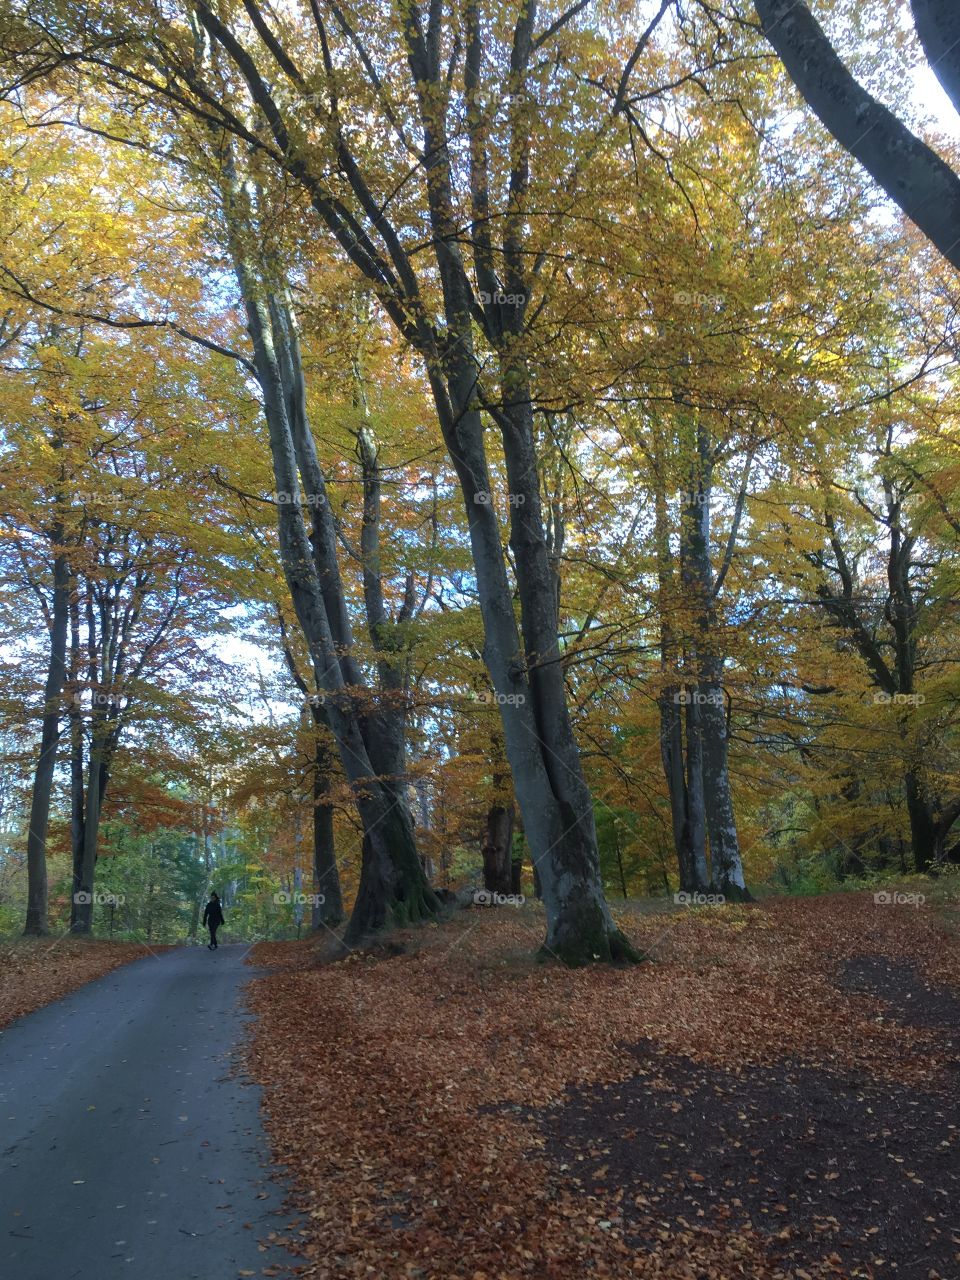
<point x="98" y="549"/>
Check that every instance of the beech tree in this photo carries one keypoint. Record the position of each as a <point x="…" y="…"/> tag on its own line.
<point x="393" y="886"/>
<point x="465" y="314"/>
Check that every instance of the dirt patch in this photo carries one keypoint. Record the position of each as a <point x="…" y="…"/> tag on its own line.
<point x="911" y="1000"/>
<point x="830" y="1169"/>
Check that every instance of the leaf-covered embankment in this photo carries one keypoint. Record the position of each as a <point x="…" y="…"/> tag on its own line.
<point x="418" y="1098"/>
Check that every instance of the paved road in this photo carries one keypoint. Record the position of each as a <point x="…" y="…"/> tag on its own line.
<point x="128" y="1150"/>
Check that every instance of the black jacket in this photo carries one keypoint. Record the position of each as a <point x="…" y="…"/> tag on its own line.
<point x="213" y="913"/>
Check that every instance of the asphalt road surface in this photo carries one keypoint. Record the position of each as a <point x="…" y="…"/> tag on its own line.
<point x="128" y="1150"/>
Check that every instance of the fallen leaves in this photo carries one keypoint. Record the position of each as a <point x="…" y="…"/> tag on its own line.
<point x="410" y="1095"/>
<point x="36" y="971"/>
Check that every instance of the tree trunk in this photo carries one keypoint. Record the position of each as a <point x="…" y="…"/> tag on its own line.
<point x="579" y="925"/>
<point x="76" y="755"/>
<point x="726" y="868"/>
<point x="497" y="849"/>
<point x="326" y="878"/>
<point x="695" y="835"/>
<point x="85" y="858"/>
<point x="938" y="26"/>
<point x="36" y="917"/>
<point x="923" y="828"/>
<point x="688" y="840"/>
<point x="707" y="729"/>
<point x="551" y="793"/>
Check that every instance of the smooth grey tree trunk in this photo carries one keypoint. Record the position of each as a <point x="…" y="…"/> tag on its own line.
<point x="708" y="801"/>
<point x="326" y="877"/>
<point x="527" y="678"/>
<point x="726" y="867"/>
<point x="327" y="912"/>
<point x="36" y="923"/>
<point x="938" y="26"/>
<point x="708" y="746"/>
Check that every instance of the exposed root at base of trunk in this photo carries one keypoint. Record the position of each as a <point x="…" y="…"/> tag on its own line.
<point x="609" y="946"/>
<point x="734" y="893"/>
<point x="368" y="929"/>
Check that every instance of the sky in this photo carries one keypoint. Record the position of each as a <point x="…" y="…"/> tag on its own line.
<point x="932" y="99"/>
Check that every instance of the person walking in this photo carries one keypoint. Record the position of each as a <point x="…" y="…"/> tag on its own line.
<point x="213" y="919"/>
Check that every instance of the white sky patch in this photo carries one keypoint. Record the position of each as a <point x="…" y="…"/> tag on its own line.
<point x="930" y="96"/>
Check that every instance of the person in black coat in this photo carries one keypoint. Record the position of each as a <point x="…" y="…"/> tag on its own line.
<point x="213" y="919"/>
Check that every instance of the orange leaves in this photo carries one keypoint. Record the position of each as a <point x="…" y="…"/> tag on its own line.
<point x="399" y="1090"/>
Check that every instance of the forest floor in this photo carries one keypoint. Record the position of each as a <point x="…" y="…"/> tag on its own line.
<point x="773" y="1096"/>
<point x="36" y="971"/>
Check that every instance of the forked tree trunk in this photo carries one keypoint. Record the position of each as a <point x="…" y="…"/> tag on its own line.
<point x="579" y="925"/>
<point x="707" y="729"/>
<point x="393" y="888"/>
<point x="687" y="829"/>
